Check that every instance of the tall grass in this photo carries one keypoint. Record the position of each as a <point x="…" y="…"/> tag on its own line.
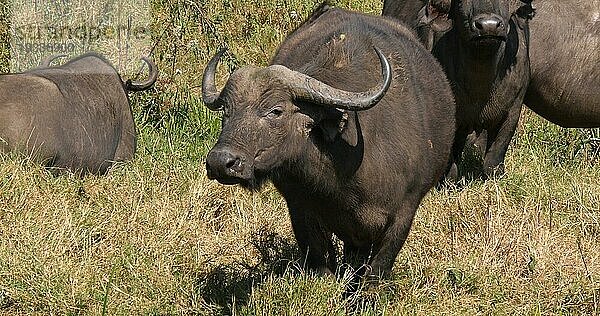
<point x="119" y="30"/>
<point x="155" y="237"/>
<point x="4" y="36"/>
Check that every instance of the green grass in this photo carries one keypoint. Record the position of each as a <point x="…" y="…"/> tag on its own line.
<point x="156" y="237"/>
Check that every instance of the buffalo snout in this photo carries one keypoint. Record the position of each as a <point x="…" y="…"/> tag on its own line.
<point x="227" y="166"/>
<point x="489" y="25"/>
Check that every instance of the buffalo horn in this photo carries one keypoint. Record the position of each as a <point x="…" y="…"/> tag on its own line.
<point x="310" y="89"/>
<point x="210" y="94"/>
<point x="45" y="63"/>
<point x="144" y="85"/>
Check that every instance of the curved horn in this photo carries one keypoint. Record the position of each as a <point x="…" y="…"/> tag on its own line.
<point x="45" y="63"/>
<point x="310" y="89"/>
<point x="210" y="94"/>
<point x="144" y="85"/>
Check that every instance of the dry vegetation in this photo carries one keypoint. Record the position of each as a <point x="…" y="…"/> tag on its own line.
<point x="4" y="37"/>
<point x="155" y="237"/>
<point x="118" y="30"/>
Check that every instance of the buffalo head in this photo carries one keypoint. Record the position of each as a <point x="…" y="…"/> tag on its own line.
<point x="268" y="116"/>
<point x="484" y="24"/>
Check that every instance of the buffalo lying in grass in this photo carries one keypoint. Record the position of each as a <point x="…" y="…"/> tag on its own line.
<point x="349" y="159"/>
<point x="76" y="116"/>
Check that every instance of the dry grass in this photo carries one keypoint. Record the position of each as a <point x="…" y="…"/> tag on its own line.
<point x="155" y="237"/>
<point x="4" y="37"/>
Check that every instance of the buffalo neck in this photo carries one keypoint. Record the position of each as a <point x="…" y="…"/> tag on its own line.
<point x="324" y="165"/>
<point x="472" y="71"/>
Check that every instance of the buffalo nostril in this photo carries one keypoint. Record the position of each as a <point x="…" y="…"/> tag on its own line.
<point x="231" y="163"/>
<point x="488" y="24"/>
<point x="478" y="25"/>
<point x="221" y="163"/>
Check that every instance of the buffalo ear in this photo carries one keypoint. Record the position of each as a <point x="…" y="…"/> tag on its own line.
<point x="334" y="125"/>
<point x="441" y="24"/>
<point x="435" y="15"/>
<point x="329" y="122"/>
<point x="526" y="10"/>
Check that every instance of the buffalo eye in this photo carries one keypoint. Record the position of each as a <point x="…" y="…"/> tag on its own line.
<point x="274" y="113"/>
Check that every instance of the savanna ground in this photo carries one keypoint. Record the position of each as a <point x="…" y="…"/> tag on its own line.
<point x="156" y="237"/>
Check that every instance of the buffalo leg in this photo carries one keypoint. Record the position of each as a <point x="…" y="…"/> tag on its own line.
<point x="452" y="173"/>
<point x="384" y="255"/>
<point x="498" y="141"/>
<point x="316" y="244"/>
<point x="357" y="258"/>
<point x="356" y="255"/>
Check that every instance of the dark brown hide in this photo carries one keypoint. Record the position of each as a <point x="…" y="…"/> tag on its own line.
<point x="428" y="18"/>
<point x="485" y="56"/>
<point x="404" y="10"/>
<point x="359" y="175"/>
<point x="564" y="53"/>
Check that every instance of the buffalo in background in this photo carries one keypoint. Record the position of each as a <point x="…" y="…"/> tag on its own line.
<point x="564" y="53"/>
<point x="565" y="62"/>
<point x="483" y="47"/>
<point x="348" y="160"/>
<point x="75" y="116"/>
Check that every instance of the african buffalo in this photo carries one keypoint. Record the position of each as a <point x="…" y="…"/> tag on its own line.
<point x="349" y="159"/>
<point x="483" y="47"/>
<point x="75" y="116"/>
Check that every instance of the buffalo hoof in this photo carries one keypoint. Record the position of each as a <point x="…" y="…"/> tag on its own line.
<point x="493" y="172"/>
<point x="450" y="179"/>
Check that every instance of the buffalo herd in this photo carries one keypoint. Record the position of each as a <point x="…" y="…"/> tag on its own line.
<point x="355" y="118"/>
